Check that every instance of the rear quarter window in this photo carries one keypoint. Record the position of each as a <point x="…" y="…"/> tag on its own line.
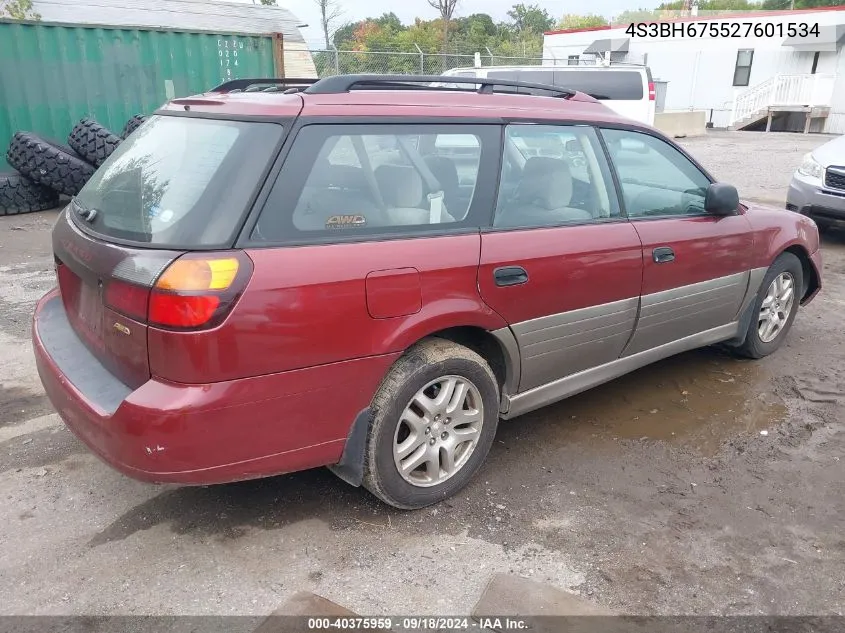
<point x="347" y="182"/>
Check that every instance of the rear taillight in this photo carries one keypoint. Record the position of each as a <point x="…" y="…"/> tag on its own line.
<point x="193" y="292"/>
<point x="199" y="274"/>
<point x="651" y="95"/>
<point x="198" y="291"/>
<point x="171" y="310"/>
<point x="127" y="299"/>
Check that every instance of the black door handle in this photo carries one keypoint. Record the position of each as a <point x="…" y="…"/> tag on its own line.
<point x="510" y="276"/>
<point x="663" y="255"/>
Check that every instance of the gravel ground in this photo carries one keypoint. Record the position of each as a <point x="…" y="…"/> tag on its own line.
<point x="655" y="494"/>
<point x="759" y="164"/>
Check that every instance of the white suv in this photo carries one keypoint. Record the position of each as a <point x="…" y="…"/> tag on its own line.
<point x="818" y="185"/>
<point x="627" y="90"/>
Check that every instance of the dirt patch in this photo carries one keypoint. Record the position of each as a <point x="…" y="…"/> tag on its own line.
<point x="759" y="164"/>
<point x="37" y="450"/>
<point x="18" y="404"/>
<point x="230" y="511"/>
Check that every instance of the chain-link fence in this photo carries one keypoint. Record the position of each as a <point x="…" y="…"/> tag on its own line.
<point x="338" y="62"/>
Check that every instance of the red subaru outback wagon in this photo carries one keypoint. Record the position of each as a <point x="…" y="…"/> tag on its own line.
<point x="367" y="273"/>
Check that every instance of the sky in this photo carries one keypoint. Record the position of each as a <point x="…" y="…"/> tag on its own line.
<point x="407" y="10"/>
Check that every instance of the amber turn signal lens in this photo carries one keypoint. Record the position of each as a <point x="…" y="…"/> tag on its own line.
<point x="186" y="275"/>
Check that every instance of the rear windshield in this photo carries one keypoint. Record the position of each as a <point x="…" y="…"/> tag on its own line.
<point x="180" y="181"/>
<point x="619" y="85"/>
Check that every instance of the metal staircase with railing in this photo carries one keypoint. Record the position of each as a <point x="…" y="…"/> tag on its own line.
<point x="809" y="94"/>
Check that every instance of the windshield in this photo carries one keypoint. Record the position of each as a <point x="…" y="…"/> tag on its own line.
<point x="180" y="181"/>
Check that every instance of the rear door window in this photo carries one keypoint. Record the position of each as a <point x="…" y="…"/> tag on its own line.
<point x="180" y="182"/>
<point x="554" y="175"/>
<point x="618" y="85"/>
<point x="342" y="181"/>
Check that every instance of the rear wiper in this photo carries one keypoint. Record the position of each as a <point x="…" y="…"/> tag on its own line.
<point x="86" y="214"/>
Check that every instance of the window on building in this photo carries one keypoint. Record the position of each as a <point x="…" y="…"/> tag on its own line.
<point x="573" y="60"/>
<point x="742" y="72"/>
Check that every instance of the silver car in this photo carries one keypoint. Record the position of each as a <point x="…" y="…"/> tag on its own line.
<point x="818" y="185"/>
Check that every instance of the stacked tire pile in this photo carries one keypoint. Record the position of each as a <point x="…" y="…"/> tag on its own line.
<point x="44" y="170"/>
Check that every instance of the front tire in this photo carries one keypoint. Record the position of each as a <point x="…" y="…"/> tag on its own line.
<point x="434" y="420"/>
<point x="775" y="307"/>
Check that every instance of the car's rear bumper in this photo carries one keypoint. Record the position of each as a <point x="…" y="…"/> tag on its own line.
<point x="209" y="433"/>
<point x="810" y="198"/>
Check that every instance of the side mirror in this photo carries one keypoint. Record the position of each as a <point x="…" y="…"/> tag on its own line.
<point x="573" y="146"/>
<point x="721" y="199"/>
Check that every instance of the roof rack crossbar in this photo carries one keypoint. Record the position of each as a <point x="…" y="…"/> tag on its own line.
<point x="264" y="84"/>
<point x="345" y="83"/>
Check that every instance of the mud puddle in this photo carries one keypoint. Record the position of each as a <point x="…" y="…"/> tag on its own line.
<point x="696" y="400"/>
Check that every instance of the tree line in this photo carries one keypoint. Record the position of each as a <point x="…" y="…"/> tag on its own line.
<point x="520" y="35"/>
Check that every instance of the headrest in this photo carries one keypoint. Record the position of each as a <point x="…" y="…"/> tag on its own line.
<point x="342" y="176"/>
<point x="546" y="182"/>
<point x="445" y="170"/>
<point x="400" y="186"/>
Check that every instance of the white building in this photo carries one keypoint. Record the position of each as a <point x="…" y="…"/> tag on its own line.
<point x="759" y="69"/>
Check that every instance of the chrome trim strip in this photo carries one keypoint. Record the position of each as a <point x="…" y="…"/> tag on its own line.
<point x="567" y="342"/>
<point x="686" y="310"/>
<point x="576" y="383"/>
<point x="574" y="316"/>
<point x="574" y="339"/>
<point x="691" y="290"/>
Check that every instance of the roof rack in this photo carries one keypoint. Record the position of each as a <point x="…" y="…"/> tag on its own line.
<point x="271" y="84"/>
<point x="345" y="83"/>
<point x="564" y="65"/>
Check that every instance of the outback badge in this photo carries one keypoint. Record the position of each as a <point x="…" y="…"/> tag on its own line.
<point x="346" y="221"/>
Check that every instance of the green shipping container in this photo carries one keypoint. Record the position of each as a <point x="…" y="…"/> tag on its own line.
<point x="51" y="76"/>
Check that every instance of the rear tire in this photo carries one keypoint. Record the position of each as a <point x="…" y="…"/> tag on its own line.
<point x="448" y="437"/>
<point x="18" y="194"/>
<point x="48" y="163"/>
<point x="92" y="141"/>
<point x="774" y="308"/>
